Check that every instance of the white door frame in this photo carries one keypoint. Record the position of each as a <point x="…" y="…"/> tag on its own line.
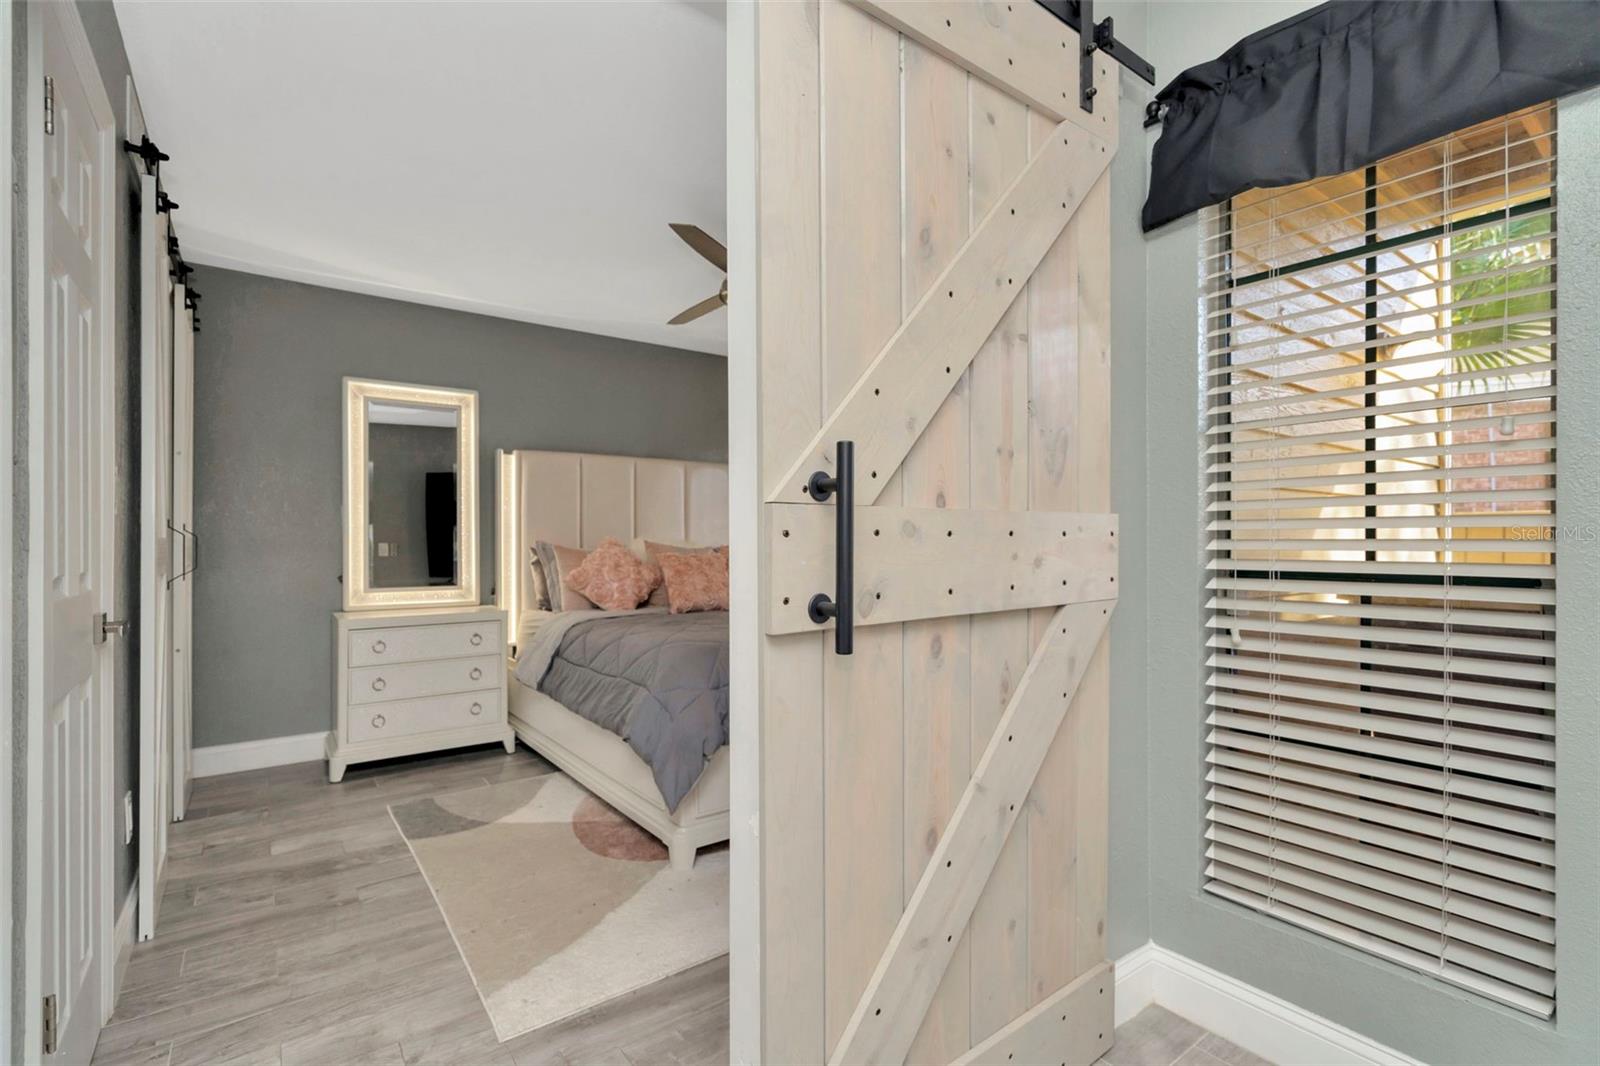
<point x="77" y="44"/>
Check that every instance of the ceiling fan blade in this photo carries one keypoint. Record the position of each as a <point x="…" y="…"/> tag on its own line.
<point x="702" y="242"/>
<point x="704" y="307"/>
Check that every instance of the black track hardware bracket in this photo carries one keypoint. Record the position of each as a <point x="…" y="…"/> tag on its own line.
<point x="1096" y="37"/>
<point x="146" y="149"/>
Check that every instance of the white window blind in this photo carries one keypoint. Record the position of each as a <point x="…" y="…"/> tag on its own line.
<point x="1381" y="396"/>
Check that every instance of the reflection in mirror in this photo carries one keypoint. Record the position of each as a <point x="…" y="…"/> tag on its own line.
<point x="411" y="495"/>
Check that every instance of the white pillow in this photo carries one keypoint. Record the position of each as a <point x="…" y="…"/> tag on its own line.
<point x="529" y="624"/>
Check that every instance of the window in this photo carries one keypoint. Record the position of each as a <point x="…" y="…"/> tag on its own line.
<point x="1380" y="636"/>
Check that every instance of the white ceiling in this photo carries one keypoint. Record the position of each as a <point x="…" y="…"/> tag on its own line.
<point x="514" y="159"/>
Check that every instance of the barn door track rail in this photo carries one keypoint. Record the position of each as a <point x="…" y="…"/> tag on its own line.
<point x="151" y="156"/>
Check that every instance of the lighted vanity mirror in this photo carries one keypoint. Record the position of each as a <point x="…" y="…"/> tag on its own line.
<point x="410" y="495"/>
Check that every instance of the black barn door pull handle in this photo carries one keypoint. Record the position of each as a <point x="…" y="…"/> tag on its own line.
<point x="842" y="607"/>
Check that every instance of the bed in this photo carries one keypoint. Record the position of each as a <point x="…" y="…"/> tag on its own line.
<point x="579" y="499"/>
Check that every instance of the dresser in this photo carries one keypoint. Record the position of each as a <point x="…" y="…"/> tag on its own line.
<point x="415" y="680"/>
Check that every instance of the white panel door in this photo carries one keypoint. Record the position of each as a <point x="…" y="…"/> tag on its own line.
<point x="71" y="458"/>
<point x="184" y="554"/>
<point x="155" y="557"/>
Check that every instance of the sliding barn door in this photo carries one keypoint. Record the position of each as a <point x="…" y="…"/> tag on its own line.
<point x="920" y="219"/>
<point x="184" y="554"/>
<point x="155" y="556"/>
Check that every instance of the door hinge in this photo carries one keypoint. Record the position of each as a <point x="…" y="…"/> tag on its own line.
<point x="49" y="106"/>
<point x="50" y="1034"/>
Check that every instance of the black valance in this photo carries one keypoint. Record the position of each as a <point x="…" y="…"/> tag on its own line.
<point x="1352" y="81"/>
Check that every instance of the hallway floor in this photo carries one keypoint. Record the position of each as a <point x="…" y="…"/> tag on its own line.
<point x="296" y="928"/>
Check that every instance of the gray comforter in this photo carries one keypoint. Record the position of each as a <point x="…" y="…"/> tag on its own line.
<point x="657" y="680"/>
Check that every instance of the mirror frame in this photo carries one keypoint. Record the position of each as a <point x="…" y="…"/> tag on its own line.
<point x="358" y="593"/>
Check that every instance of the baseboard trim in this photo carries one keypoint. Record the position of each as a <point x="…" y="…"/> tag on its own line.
<point x="126" y="930"/>
<point x="1257" y="1021"/>
<point x="259" y="754"/>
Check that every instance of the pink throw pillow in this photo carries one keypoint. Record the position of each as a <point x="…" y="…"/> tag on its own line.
<point x="696" y="582"/>
<point x="613" y="577"/>
<point x="653" y="550"/>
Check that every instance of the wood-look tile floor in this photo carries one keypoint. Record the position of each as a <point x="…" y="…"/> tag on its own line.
<point x="1157" y="1037"/>
<point x="296" y="928"/>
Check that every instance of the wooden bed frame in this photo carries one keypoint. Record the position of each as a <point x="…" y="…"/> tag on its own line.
<point x="579" y="499"/>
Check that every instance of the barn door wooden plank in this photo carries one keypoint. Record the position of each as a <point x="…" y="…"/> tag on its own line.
<point x="914" y="563"/>
<point x="891" y="405"/>
<point x="908" y="974"/>
<point x="937" y="692"/>
<point x="1090" y="738"/>
<point x="1053" y="436"/>
<point x="863" y="792"/>
<point x="1020" y="47"/>
<point x="998" y="387"/>
<point x="787" y="290"/>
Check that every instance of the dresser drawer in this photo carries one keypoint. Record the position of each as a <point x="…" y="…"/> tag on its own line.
<point x="436" y="714"/>
<point x="405" y="644"/>
<point x="402" y="681"/>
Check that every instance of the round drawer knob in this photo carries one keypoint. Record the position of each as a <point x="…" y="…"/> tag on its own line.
<point x="476" y="639"/>
<point x="379" y="721"/>
<point x="477" y="708"/>
<point x="379" y="647"/>
<point x="379" y="684"/>
<point x="477" y="672"/>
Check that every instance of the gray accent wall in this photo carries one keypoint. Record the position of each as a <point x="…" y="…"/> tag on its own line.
<point x="269" y="365"/>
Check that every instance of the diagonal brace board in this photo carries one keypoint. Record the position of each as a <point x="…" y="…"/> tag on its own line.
<point x="1071" y="1025"/>
<point x="933" y="562"/>
<point x="891" y="1009"/>
<point x="910" y="377"/>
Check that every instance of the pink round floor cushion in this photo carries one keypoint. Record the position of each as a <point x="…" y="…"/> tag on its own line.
<point x="696" y="582"/>
<point x="613" y="577"/>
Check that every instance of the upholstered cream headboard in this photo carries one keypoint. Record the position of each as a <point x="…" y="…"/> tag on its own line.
<point x="576" y="499"/>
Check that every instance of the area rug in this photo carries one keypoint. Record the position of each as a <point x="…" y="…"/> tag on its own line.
<point x="557" y="902"/>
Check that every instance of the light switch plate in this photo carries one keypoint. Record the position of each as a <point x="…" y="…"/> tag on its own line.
<point x="127" y="817"/>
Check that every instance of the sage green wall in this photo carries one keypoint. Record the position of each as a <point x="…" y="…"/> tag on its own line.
<point x="1405" y="1010"/>
<point x="1128" y="911"/>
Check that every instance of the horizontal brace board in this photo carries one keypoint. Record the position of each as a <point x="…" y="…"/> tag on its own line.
<point x="1071" y="1025"/>
<point x="910" y="377"/>
<point x="891" y="1009"/>
<point x="1020" y="48"/>
<point x="932" y="562"/>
